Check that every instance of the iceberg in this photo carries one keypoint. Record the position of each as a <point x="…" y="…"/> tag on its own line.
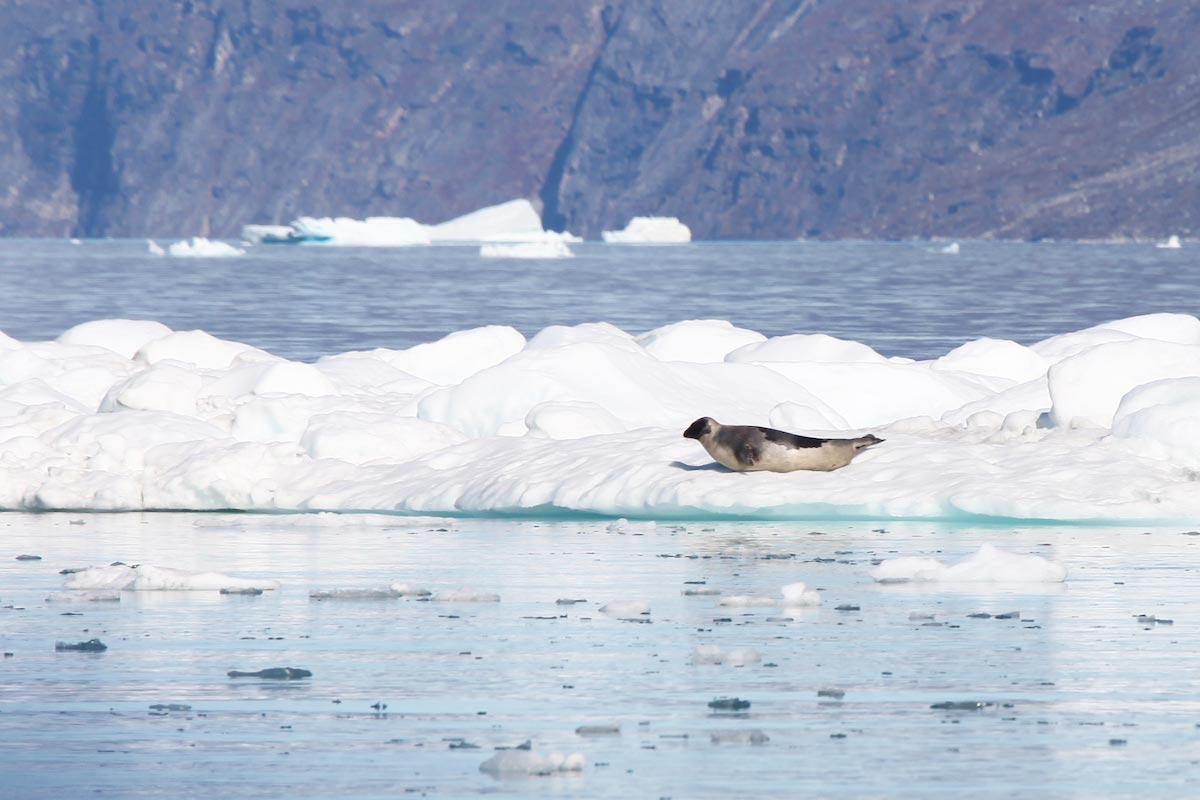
<point x="1172" y="243"/>
<point x="513" y="222"/>
<point x="1096" y="425"/>
<point x="650" y="230"/>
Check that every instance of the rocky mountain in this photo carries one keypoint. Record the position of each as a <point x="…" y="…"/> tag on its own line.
<point x="748" y="119"/>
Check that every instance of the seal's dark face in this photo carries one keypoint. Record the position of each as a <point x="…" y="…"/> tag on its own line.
<point x="697" y="428"/>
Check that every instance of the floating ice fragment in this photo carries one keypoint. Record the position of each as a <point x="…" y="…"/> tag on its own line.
<point x="273" y="674"/>
<point x="385" y="593"/>
<point x="737" y="657"/>
<point x="90" y="646"/>
<point x="626" y="609"/>
<point x="729" y="704"/>
<point x="1172" y="243"/>
<point x="796" y="595"/>
<point x="466" y="596"/>
<point x="604" y="729"/>
<point x="200" y="247"/>
<point x="533" y="250"/>
<point x="950" y="249"/>
<point x="988" y="565"/>
<point x="83" y="596"/>
<point x="526" y="762"/>
<point x="754" y="737"/>
<point x="623" y="525"/>
<point x="146" y="578"/>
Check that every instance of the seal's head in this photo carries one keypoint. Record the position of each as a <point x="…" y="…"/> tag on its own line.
<point x="699" y="428"/>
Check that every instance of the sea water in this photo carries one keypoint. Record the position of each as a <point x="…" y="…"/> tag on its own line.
<point x="302" y="302"/>
<point x="1053" y="689"/>
<point x="1088" y="690"/>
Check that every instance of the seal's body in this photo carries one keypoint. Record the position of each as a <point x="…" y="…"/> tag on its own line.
<point x="744" y="448"/>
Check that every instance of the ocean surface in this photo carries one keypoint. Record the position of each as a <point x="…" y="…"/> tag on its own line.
<point x="1082" y="689"/>
<point x="904" y="299"/>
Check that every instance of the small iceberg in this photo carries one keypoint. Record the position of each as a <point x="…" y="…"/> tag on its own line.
<point x="1172" y="243"/>
<point x="950" y="249"/>
<point x="199" y="247"/>
<point x="650" y="230"/>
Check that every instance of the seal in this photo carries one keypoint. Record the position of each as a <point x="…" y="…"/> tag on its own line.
<point x="745" y="448"/>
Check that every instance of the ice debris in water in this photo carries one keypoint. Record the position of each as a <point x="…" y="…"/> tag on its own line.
<point x="736" y="657"/>
<point x="371" y="593"/>
<point x="466" y="596"/>
<point x="989" y="564"/>
<point x="90" y="646"/>
<point x="273" y="674"/>
<point x="200" y="247"/>
<point x="83" y="596"/>
<point x="755" y="737"/>
<point x="147" y="578"/>
<point x="794" y="595"/>
<point x="526" y="762"/>
<point x="623" y="525"/>
<point x="626" y="609"/>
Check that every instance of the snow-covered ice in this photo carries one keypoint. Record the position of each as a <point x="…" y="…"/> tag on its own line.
<point x="1172" y="243"/>
<point x="650" y="230"/>
<point x="527" y="762"/>
<point x="1097" y="424"/>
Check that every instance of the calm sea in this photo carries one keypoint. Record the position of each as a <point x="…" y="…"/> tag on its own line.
<point x="905" y="298"/>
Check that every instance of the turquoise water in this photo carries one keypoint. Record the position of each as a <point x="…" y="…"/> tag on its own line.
<point x="1082" y="699"/>
<point x="903" y="298"/>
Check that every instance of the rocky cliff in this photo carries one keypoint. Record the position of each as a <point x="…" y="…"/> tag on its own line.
<point x="754" y="119"/>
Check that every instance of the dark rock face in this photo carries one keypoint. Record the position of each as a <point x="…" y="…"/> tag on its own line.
<point x="763" y="119"/>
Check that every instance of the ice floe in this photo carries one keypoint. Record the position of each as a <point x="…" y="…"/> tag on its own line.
<point x="989" y="564"/>
<point x="794" y="595"/>
<point x="650" y="230"/>
<point x="534" y="250"/>
<point x="149" y="578"/>
<point x="1098" y="424"/>
<point x="1172" y="243"/>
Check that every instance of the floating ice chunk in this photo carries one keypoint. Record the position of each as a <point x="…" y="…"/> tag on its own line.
<point x="408" y="590"/>
<point x="797" y="595"/>
<point x="988" y="565"/>
<point x="737" y="657"/>
<point x="154" y="248"/>
<point x="147" y="578"/>
<point x="353" y="593"/>
<point x="748" y="601"/>
<point x="754" y="737"/>
<point x="200" y="247"/>
<point x="466" y="596"/>
<point x="626" y="609"/>
<point x="1172" y="243"/>
<point x="85" y="596"/>
<point x="531" y="250"/>
<point x="526" y="762"/>
<point x="950" y="249"/>
<point x="650" y="230"/>
<point x="700" y="341"/>
<point x="623" y="525"/>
